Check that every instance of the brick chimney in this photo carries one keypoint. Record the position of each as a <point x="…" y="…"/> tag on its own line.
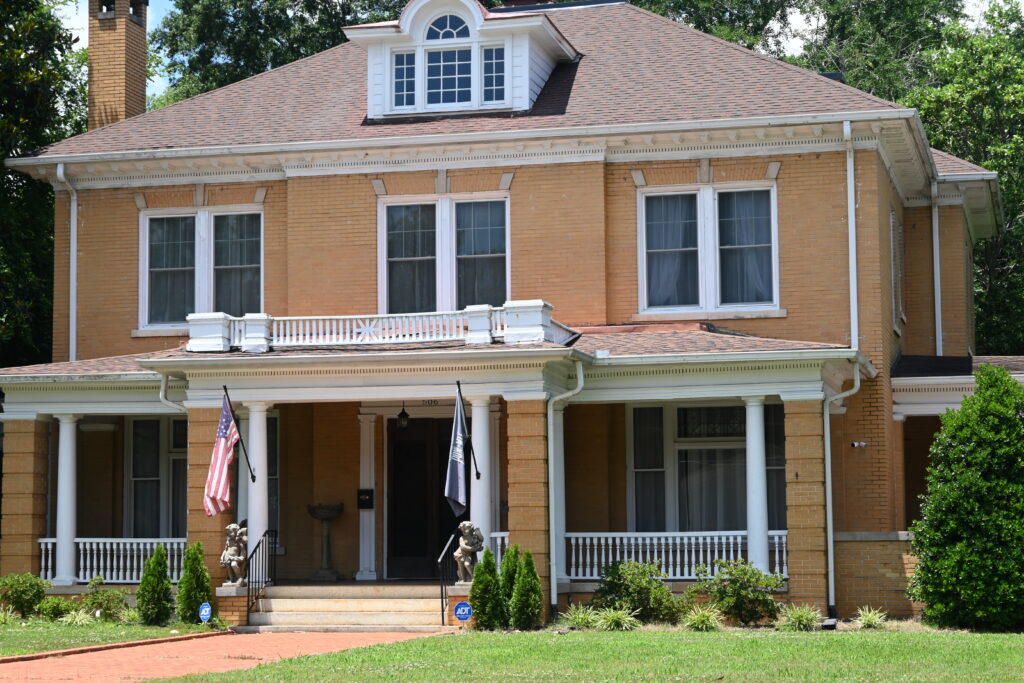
<point x="117" y="60"/>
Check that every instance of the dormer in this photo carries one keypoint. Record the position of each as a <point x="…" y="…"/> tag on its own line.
<point x="454" y="56"/>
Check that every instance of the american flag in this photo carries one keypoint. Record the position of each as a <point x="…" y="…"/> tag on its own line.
<point x="217" y="496"/>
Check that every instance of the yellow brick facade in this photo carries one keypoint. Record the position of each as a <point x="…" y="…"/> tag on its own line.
<point x="117" y="62"/>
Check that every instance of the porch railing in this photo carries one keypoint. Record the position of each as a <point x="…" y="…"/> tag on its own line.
<point x="370" y="329"/>
<point x="261" y="567"/>
<point x="117" y="560"/>
<point x="499" y="544"/>
<point x="677" y="553"/>
<point x="446" y="572"/>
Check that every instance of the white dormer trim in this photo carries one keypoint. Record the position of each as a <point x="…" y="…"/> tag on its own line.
<point x="530" y="42"/>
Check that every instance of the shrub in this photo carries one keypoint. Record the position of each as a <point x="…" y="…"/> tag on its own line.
<point x="489" y="610"/>
<point x="740" y="590"/>
<point x="798" y="618"/>
<point x="509" y="568"/>
<point x="702" y="618"/>
<point x="129" y="615"/>
<point x="53" y="607"/>
<point x="153" y="598"/>
<point x="638" y="587"/>
<point x="969" y="538"/>
<point x="23" y="592"/>
<point x="7" y="615"/>
<point x="106" y="603"/>
<point x="527" y="604"/>
<point x="580" y="617"/>
<point x="78" y="617"/>
<point x="194" y="585"/>
<point x="611" y="619"/>
<point x="870" y="618"/>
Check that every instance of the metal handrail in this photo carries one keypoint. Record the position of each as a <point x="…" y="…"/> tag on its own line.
<point x="261" y="567"/>
<point x="446" y="575"/>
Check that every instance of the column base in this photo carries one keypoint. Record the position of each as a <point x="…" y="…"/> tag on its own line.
<point x="63" y="581"/>
<point x="366" y="575"/>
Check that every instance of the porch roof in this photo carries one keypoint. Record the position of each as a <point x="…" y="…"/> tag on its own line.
<point x="682" y="339"/>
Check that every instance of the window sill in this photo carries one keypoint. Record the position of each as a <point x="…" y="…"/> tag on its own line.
<point x="160" y="332"/>
<point x="710" y="315"/>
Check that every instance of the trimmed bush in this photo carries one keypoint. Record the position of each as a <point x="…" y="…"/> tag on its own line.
<point x="485" y="597"/>
<point x="580" y="617"/>
<point x="969" y="538"/>
<point x="510" y="563"/>
<point x="78" y="617"/>
<point x="153" y="598"/>
<point x="740" y="590"/>
<point x="637" y="587"/>
<point x="53" y="607"/>
<point x="129" y="615"/>
<point x="527" y="604"/>
<point x="870" y="618"/>
<point x="702" y="618"/>
<point x="610" y="619"/>
<point x="105" y="603"/>
<point x="798" y="618"/>
<point x="22" y="592"/>
<point x="194" y="585"/>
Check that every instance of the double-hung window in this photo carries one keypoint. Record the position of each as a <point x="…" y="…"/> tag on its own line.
<point x="156" y="473"/>
<point x="443" y="253"/>
<point x="199" y="261"/>
<point x="707" y="249"/>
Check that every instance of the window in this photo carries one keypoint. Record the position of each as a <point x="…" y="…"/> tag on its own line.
<point x="899" y="314"/>
<point x="443" y="254"/>
<point x="447" y="27"/>
<point x="696" y="479"/>
<point x="156" y="471"/>
<point x="494" y="74"/>
<point x="405" y="79"/>
<point x="145" y="478"/>
<point x="707" y="249"/>
<point x="209" y="260"/>
<point x="448" y="76"/>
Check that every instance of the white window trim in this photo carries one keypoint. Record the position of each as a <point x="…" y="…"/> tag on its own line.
<point x="707" y="247"/>
<point x="446" y="261"/>
<point x="167" y="454"/>
<point x="204" y="219"/>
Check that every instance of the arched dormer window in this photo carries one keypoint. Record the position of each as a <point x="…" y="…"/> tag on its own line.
<point x="447" y="27"/>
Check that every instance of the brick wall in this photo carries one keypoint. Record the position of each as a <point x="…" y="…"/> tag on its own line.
<point x="117" y="64"/>
<point x="202" y="430"/>
<point x="24" y="494"/>
<point x="528" y="484"/>
<point x="874" y="573"/>
<point x="805" y="502"/>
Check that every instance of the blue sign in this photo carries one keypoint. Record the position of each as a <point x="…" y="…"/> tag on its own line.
<point x="463" y="611"/>
<point x="205" y="612"/>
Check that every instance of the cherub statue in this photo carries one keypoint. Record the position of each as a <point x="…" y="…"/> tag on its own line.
<point x="471" y="541"/>
<point x="233" y="557"/>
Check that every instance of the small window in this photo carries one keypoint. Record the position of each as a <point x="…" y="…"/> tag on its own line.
<point x="494" y="74"/>
<point x="448" y="76"/>
<point x="405" y="79"/>
<point x="447" y="28"/>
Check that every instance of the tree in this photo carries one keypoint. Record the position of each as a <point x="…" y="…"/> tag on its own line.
<point x="194" y="584"/>
<point x="40" y="102"/>
<point x="527" y="604"/>
<point x="485" y="595"/>
<point x="880" y="46"/>
<point x="750" y="23"/>
<point x="153" y="598"/>
<point x="969" y="538"/>
<point x="975" y="110"/>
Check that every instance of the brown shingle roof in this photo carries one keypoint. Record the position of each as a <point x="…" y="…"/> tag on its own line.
<point x="93" y="366"/>
<point x="637" y="67"/>
<point x="678" y="339"/>
<point x="947" y="164"/>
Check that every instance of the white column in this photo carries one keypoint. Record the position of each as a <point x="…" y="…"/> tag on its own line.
<point x="480" y="504"/>
<point x="242" y="504"/>
<point x="67" y="484"/>
<point x="757" y="485"/>
<point x="259" y="495"/>
<point x="367" y="480"/>
<point x="558" y="485"/>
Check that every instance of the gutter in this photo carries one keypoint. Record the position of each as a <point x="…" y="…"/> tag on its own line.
<point x="851" y="224"/>
<point x="936" y="269"/>
<point x="162" y="395"/>
<point x="72" y="264"/>
<point x="556" y="475"/>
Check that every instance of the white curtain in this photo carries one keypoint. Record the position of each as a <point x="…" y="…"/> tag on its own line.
<point x="672" y="261"/>
<point x="745" y="246"/>
<point x="712" y="490"/>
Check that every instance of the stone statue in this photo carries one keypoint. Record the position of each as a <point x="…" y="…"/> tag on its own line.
<point x="471" y="541"/>
<point x="233" y="558"/>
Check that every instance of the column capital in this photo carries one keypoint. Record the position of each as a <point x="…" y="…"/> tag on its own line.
<point x="68" y="417"/>
<point x="479" y="400"/>
<point x="752" y="400"/>
<point x="257" y="406"/>
<point x="367" y="418"/>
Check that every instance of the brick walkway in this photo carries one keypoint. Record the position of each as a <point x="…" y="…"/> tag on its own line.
<point x="190" y="656"/>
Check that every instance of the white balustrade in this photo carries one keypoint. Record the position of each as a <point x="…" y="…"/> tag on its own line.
<point x="678" y="554"/>
<point x="499" y="322"/>
<point x="117" y="560"/>
<point x="373" y="329"/>
<point x="499" y="544"/>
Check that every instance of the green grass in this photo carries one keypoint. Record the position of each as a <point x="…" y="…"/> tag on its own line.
<point x="40" y="635"/>
<point x="734" y="655"/>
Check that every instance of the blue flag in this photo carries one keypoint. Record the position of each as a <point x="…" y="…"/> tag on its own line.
<point x="455" y="482"/>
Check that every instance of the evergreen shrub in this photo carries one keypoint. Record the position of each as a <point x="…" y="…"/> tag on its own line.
<point x="22" y="592"/>
<point x="153" y="598"/>
<point x="485" y="596"/>
<point x="527" y="606"/>
<point x="637" y="587"/>
<point x="740" y="590"/>
<point x="194" y="585"/>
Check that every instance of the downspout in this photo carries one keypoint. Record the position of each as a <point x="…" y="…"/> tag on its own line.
<point x="72" y="265"/>
<point x="163" y="396"/>
<point x="936" y="269"/>
<point x="552" y="537"/>
<point x="851" y="223"/>
<point x="830" y="550"/>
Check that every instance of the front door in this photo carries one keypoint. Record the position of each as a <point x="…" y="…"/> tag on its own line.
<point x="420" y="520"/>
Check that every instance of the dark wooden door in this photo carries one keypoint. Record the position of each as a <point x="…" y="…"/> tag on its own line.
<point x="420" y="520"/>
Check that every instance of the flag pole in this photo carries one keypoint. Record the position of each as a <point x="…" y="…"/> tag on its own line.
<point x="241" y="441"/>
<point x="472" y="453"/>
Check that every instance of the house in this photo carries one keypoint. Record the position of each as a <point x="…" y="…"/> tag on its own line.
<point x="702" y="304"/>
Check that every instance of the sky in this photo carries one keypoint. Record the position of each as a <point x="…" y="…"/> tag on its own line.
<point x="76" y="15"/>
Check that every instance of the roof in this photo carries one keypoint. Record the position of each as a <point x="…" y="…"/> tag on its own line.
<point x="953" y="366"/>
<point x="947" y="164"/>
<point x="658" y="340"/>
<point x="637" y="67"/>
<point x="110" y="365"/>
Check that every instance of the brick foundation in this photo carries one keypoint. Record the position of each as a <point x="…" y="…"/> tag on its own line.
<point x="873" y="569"/>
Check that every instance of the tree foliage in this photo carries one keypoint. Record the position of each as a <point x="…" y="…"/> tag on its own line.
<point x="485" y="596"/>
<point x="975" y="110"/>
<point x="194" y="585"/>
<point x="40" y="102"/>
<point x="154" y="595"/>
<point x="527" y="606"/>
<point x="971" y="532"/>
<point x="752" y="23"/>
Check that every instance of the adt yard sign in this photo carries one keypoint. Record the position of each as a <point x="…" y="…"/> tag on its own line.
<point x="463" y="611"/>
<point x="205" y="612"/>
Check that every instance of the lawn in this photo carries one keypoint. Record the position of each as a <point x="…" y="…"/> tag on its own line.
<point x="40" y="635"/>
<point x="735" y="655"/>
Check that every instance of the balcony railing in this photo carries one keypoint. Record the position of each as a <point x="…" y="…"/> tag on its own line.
<point x="517" y="322"/>
<point x="117" y="560"/>
<point x="678" y="554"/>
